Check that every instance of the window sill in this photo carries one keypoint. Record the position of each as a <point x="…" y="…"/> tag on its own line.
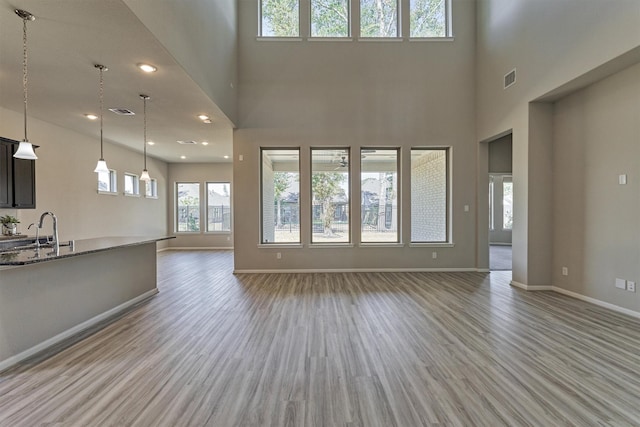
<point x="330" y="245"/>
<point x="431" y="245"/>
<point x="431" y="39"/>
<point x="278" y="39"/>
<point x="280" y="245"/>
<point x="108" y="193"/>
<point x="380" y="39"/>
<point x="222" y="232"/>
<point x="151" y="197"/>
<point x="187" y="232"/>
<point x="381" y="245"/>
<point x="131" y="195"/>
<point x="330" y="39"/>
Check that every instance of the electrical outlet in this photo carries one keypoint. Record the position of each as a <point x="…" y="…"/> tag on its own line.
<point x="621" y="284"/>
<point x="434" y="255"/>
<point x="565" y="271"/>
<point x="631" y="286"/>
<point x="279" y="255"/>
<point x="228" y="239"/>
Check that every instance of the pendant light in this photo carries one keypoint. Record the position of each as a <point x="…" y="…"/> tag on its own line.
<point x="144" y="176"/>
<point x="25" y="149"/>
<point x="101" y="167"/>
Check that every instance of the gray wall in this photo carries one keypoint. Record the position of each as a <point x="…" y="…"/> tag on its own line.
<point x="355" y="93"/>
<point x="67" y="186"/>
<point x="596" y="228"/>
<point x="201" y="36"/>
<point x="202" y="173"/>
<point x="551" y="44"/>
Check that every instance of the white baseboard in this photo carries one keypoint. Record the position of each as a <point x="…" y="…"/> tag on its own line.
<point x="531" y="287"/>
<point x="597" y="302"/>
<point x="576" y="295"/>
<point x="499" y="244"/>
<point x="360" y="270"/>
<point x="199" y="248"/>
<point x="13" y="360"/>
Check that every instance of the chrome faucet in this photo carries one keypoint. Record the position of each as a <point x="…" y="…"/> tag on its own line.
<point x="55" y="226"/>
<point x="37" y="233"/>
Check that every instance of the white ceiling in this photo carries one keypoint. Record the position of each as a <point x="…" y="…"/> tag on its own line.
<point x="65" y="41"/>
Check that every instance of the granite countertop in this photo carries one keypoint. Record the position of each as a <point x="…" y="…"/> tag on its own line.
<point x="67" y="249"/>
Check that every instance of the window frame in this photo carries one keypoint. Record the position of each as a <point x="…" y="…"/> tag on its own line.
<point x="448" y="24"/>
<point x="397" y="189"/>
<point x="113" y="183"/>
<point x="398" y="26"/>
<point x="448" y="208"/>
<point x="154" y="189"/>
<point x="349" y="205"/>
<point x="262" y="241"/>
<point x="206" y="191"/>
<point x="268" y="37"/>
<point x="349" y="35"/>
<point x="177" y="207"/>
<point x="135" y="182"/>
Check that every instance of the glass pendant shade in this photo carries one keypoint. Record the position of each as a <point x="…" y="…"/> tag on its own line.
<point x="144" y="176"/>
<point x="101" y="167"/>
<point x="25" y="151"/>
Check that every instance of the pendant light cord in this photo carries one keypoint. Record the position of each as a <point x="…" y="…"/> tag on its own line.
<point x="101" y="109"/>
<point x="144" y="98"/>
<point x="24" y="73"/>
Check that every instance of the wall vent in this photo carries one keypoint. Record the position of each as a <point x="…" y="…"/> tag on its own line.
<point x="510" y="78"/>
<point x="187" y="142"/>
<point x="122" y="111"/>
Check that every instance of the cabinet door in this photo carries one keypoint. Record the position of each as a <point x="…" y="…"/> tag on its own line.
<point x="24" y="184"/>
<point x="6" y="175"/>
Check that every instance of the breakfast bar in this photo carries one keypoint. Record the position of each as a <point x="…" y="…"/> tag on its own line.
<point x="49" y="294"/>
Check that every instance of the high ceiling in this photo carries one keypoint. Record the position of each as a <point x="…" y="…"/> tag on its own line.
<point x="65" y="41"/>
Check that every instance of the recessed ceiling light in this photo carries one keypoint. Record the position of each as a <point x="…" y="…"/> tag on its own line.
<point x="226" y="157"/>
<point x="91" y="116"/>
<point x="203" y="117"/>
<point x="208" y="121"/>
<point x="183" y="157"/>
<point x="151" y="143"/>
<point x="205" y="143"/>
<point x="147" y="68"/>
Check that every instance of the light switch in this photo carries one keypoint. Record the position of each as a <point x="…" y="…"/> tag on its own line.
<point x="621" y="284"/>
<point x="466" y="208"/>
<point x="622" y="179"/>
<point x="241" y="157"/>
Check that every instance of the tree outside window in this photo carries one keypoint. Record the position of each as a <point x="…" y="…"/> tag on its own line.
<point x="428" y="18"/>
<point x="330" y="196"/>
<point x="280" y="18"/>
<point x="329" y="18"/>
<point x="280" y="213"/>
<point x="188" y="207"/>
<point x="378" y="18"/>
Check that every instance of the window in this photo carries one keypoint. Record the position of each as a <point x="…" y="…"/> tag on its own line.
<point x="429" y="195"/>
<point x="279" y="18"/>
<point x="151" y="189"/>
<point x="280" y="196"/>
<point x="330" y="18"/>
<point x="429" y="18"/>
<point x="107" y="182"/>
<point x="218" y="206"/>
<point x="379" y="18"/>
<point x="330" y="195"/>
<point x="491" y="207"/>
<point x="379" y="195"/>
<point x="131" y="185"/>
<point x="507" y="203"/>
<point x="188" y="207"/>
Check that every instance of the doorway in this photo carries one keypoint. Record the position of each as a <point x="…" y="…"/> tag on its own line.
<point x="500" y="203"/>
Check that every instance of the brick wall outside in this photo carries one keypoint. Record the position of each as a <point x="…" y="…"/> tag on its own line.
<point x="429" y="197"/>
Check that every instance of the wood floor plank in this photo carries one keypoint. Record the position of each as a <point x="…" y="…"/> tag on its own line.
<point x="349" y="349"/>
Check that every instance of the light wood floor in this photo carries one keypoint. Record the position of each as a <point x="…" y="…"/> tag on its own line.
<point x="412" y="349"/>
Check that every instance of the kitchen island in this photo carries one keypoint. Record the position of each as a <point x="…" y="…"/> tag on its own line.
<point x="49" y="295"/>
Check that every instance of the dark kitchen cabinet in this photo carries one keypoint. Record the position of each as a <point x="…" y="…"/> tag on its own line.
<point x="17" y="178"/>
